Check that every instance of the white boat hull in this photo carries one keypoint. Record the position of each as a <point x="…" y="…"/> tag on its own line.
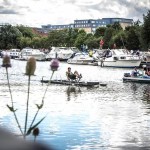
<point x="37" y="57"/>
<point x="81" y="62"/>
<point x="120" y="63"/>
<point x="26" y="53"/>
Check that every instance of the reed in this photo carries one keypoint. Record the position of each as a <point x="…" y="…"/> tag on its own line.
<point x="30" y="70"/>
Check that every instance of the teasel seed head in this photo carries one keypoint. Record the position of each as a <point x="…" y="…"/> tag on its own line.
<point x="54" y="64"/>
<point x="6" y="61"/>
<point x="31" y="66"/>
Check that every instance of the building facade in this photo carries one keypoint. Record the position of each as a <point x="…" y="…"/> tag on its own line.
<point x="90" y="25"/>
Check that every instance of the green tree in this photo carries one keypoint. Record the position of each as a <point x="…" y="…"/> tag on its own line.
<point x="25" y="42"/>
<point x="146" y="31"/>
<point x="44" y="43"/>
<point x="35" y="43"/>
<point x="26" y="31"/>
<point x="100" y="32"/>
<point x="80" y="40"/>
<point x="116" y="26"/>
<point x="71" y="37"/>
<point x="107" y="37"/>
<point x="57" y="38"/>
<point x="119" y="39"/>
<point x="9" y="37"/>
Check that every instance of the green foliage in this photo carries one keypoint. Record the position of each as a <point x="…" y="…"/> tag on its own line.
<point x="146" y="30"/>
<point x="100" y="32"/>
<point x="57" y="38"/>
<point x="71" y="37"/>
<point x="133" y="42"/>
<point x="26" y="31"/>
<point x="119" y="39"/>
<point x="116" y="26"/>
<point x="9" y="37"/>
<point x="107" y="37"/>
<point x="25" y="42"/>
<point x="92" y="42"/>
<point x="80" y="40"/>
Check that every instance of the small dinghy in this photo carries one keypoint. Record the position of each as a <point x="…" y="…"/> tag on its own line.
<point x="135" y="76"/>
<point x="139" y="79"/>
<point x="75" y="83"/>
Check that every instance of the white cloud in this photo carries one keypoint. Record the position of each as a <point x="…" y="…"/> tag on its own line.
<point x="43" y="12"/>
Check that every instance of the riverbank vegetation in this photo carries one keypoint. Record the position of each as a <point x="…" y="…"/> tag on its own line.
<point x="132" y="37"/>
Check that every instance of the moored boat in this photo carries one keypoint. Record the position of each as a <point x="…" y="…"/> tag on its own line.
<point x="63" y="53"/>
<point x="82" y="59"/>
<point x="120" y="58"/>
<point x="26" y="53"/>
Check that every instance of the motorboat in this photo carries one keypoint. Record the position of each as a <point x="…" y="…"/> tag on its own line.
<point x="82" y="59"/>
<point x="119" y="58"/>
<point x="26" y="53"/>
<point x="63" y="53"/>
<point x="138" y="76"/>
<point x="14" y="53"/>
<point x="145" y="58"/>
<point x="138" y="79"/>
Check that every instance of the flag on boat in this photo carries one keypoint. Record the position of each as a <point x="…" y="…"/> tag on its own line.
<point x="101" y="43"/>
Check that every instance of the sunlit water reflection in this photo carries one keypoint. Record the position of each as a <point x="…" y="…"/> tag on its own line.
<point x="112" y="117"/>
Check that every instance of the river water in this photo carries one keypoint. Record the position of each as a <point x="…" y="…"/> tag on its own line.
<point x="112" y="117"/>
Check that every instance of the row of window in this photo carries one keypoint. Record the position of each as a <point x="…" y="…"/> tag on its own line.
<point x="86" y="22"/>
<point x="88" y="25"/>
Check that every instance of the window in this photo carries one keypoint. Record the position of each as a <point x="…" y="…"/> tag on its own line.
<point x="122" y="57"/>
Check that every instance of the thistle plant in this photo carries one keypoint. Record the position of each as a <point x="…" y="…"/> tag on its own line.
<point x="53" y="67"/>
<point x="7" y="64"/>
<point x="30" y="69"/>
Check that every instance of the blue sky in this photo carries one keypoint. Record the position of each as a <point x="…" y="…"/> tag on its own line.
<point x="42" y="12"/>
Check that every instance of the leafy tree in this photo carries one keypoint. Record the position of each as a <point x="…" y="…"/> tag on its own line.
<point x="25" y="42"/>
<point x="57" y="38"/>
<point x="100" y="32"/>
<point x="9" y="37"/>
<point x="26" y="31"/>
<point x="107" y="37"/>
<point x="146" y="30"/>
<point x="44" y="43"/>
<point x="132" y="40"/>
<point x="119" y="39"/>
<point x="92" y="42"/>
<point x="80" y="40"/>
<point x="71" y="37"/>
<point x="36" y="42"/>
<point x="116" y="26"/>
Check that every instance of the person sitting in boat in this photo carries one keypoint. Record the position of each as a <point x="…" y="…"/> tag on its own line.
<point x="73" y="76"/>
<point x="147" y="72"/>
<point x="135" y="72"/>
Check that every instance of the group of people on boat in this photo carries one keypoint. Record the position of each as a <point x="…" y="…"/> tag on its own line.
<point x="73" y="76"/>
<point x="145" y="73"/>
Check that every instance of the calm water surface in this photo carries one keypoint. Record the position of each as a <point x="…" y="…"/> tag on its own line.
<point x="115" y="117"/>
